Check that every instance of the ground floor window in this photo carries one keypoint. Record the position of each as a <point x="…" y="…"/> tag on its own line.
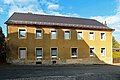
<point x="22" y="53"/>
<point x="53" y="52"/>
<point x="103" y="52"/>
<point x="73" y="52"/>
<point x="38" y="53"/>
<point x="92" y="52"/>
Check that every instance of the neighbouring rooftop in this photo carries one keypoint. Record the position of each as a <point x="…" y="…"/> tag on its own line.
<point x="49" y="20"/>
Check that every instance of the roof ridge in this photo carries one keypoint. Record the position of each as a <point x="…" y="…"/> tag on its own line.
<point x="55" y="16"/>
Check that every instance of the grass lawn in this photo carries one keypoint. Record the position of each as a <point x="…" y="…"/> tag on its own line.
<point x="116" y="54"/>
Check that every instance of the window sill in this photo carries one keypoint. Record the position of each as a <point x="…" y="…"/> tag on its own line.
<point x="80" y="39"/>
<point x="74" y="56"/>
<point x="22" y="38"/>
<point x="54" y="56"/>
<point x="92" y="55"/>
<point x="38" y="57"/>
<point x="103" y="56"/>
<point x="91" y="39"/>
<point x="102" y="39"/>
<point x="38" y="38"/>
<point x="53" y="38"/>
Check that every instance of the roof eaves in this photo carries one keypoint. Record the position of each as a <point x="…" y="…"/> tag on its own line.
<point x="58" y="24"/>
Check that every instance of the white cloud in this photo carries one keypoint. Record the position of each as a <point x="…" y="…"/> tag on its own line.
<point x="18" y="1"/>
<point x="24" y="6"/>
<point x="8" y="1"/>
<point x="35" y="6"/>
<point x="112" y="21"/>
<point x="60" y="14"/>
<point x="1" y="10"/>
<point x="52" y="6"/>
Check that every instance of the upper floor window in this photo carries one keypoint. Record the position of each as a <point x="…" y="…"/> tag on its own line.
<point x="79" y="35"/>
<point x="38" y="33"/>
<point x="92" y="52"/>
<point x="91" y="35"/>
<point x="22" y="33"/>
<point x="53" y="34"/>
<point x="102" y="36"/>
<point x="22" y="53"/>
<point x="54" y="52"/>
<point x="74" y="52"/>
<point x="67" y="35"/>
<point x="103" y="52"/>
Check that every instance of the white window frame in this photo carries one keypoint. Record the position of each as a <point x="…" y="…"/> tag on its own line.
<point x="41" y="33"/>
<point x="51" y="33"/>
<point x="69" y="35"/>
<point x="81" y="35"/>
<point x="90" y="35"/>
<point x="93" y="51"/>
<point x="36" y="54"/>
<point x="56" y="52"/>
<point x="104" y="36"/>
<point x="71" y="52"/>
<point x="19" y="33"/>
<point x="19" y="57"/>
<point x="103" y="54"/>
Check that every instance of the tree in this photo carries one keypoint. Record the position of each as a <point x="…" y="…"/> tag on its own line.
<point x="115" y="44"/>
<point x="2" y="47"/>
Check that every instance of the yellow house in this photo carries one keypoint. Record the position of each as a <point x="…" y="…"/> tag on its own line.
<point x="46" y="39"/>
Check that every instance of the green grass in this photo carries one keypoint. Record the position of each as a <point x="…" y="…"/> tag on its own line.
<point x="116" y="54"/>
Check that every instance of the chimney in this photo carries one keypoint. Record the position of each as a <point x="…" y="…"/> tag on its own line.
<point x="105" y="23"/>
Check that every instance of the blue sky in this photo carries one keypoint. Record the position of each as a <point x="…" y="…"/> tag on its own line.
<point x="101" y="10"/>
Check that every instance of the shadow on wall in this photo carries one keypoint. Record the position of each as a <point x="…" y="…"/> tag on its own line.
<point x="63" y="46"/>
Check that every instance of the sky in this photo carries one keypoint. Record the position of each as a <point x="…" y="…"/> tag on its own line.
<point x="101" y="10"/>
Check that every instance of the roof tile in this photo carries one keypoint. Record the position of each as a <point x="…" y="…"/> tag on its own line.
<point x="37" y="19"/>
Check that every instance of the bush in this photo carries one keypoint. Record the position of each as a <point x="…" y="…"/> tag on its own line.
<point x="116" y="54"/>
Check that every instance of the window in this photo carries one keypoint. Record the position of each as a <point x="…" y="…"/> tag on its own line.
<point x="38" y="54"/>
<point x="22" y="53"/>
<point x="53" y="34"/>
<point x="79" y="35"/>
<point x="22" y="33"/>
<point x="103" y="52"/>
<point x="91" y="35"/>
<point x="39" y="33"/>
<point x="92" y="52"/>
<point x="74" y="52"/>
<point x="67" y="35"/>
<point x="54" y="52"/>
<point x="102" y="36"/>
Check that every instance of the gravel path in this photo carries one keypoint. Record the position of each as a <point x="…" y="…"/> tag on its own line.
<point x="59" y="72"/>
